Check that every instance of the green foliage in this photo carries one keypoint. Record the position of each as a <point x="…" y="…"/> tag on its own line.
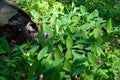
<point x="81" y="46"/>
<point x="107" y="8"/>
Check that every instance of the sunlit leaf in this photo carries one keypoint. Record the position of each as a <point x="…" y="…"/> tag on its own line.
<point x="83" y="9"/>
<point x="57" y="62"/>
<point x="58" y="54"/>
<point x="35" y="15"/>
<point x="92" y="58"/>
<point x="97" y="32"/>
<point x="42" y="53"/>
<point x="68" y="54"/>
<point x="69" y="42"/>
<point x="67" y="66"/>
<point x="93" y="15"/>
<point x="109" y="26"/>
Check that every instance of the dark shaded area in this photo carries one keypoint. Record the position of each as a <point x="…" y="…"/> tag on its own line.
<point x="16" y="25"/>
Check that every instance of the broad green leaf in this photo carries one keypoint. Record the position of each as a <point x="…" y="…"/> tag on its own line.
<point x="97" y="49"/>
<point x="49" y="43"/>
<point x="92" y="58"/>
<point x="33" y="67"/>
<point x="69" y="42"/>
<point x="62" y="74"/>
<point x="85" y="27"/>
<point x="17" y="53"/>
<point x="60" y="47"/>
<point x="2" y="51"/>
<point x="57" y="62"/>
<point x="5" y="45"/>
<point x="80" y="51"/>
<point x="94" y="70"/>
<point x="75" y="55"/>
<point x="58" y="54"/>
<point x="79" y="70"/>
<point x="67" y="66"/>
<point x="93" y="15"/>
<point x="45" y="64"/>
<point x="53" y="19"/>
<point x="89" y="77"/>
<point x="83" y="9"/>
<point x="33" y="49"/>
<point x="2" y="78"/>
<point x="78" y="46"/>
<point x="20" y="47"/>
<point x="103" y="72"/>
<point x="109" y="26"/>
<point x="67" y="76"/>
<point x="96" y="32"/>
<point x="48" y="29"/>
<point x="41" y="38"/>
<point x="72" y="29"/>
<point x="68" y="54"/>
<point x="42" y="53"/>
<point x="5" y="72"/>
<point x="52" y="74"/>
<point x="79" y="61"/>
<point x="83" y="42"/>
<point x="35" y="15"/>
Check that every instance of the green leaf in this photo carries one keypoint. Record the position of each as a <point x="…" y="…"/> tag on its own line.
<point x="57" y="62"/>
<point x="58" y="54"/>
<point x="5" y="44"/>
<point x="35" y="15"/>
<point x="62" y="74"/>
<point x="79" y="61"/>
<point x="109" y="26"/>
<point x="83" y="9"/>
<point x="21" y="47"/>
<point x="92" y="58"/>
<point x="69" y="42"/>
<point x="97" y="49"/>
<point x="68" y="54"/>
<point x="93" y="15"/>
<point x="2" y="51"/>
<point x="41" y="38"/>
<point x="79" y="70"/>
<point x="5" y="72"/>
<point x="42" y="53"/>
<point x="67" y="66"/>
<point x="18" y="53"/>
<point x="52" y="74"/>
<point x="48" y="29"/>
<point x="33" y="67"/>
<point x="97" y="32"/>
<point x="103" y="73"/>
<point x="33" y="49"/>
<point x="2" y="78"/>
<point x="49" y="43"/>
